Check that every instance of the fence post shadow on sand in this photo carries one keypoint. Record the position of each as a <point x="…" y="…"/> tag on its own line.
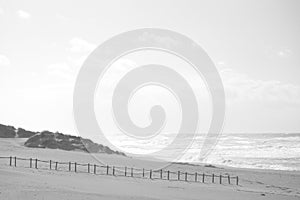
<point x="123" y="171"/>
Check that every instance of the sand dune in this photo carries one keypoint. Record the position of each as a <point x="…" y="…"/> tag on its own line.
<point x="25" y="183"/>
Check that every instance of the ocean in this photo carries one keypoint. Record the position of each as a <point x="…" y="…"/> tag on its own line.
<point x="259" y="151"/>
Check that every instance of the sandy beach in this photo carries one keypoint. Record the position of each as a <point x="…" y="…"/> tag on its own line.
<point x="22" y="182"/>
<point x="150" y="100"/>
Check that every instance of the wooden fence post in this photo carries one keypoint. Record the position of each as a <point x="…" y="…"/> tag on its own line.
<point x="14" y="159"/>
<point x="75" y="167"/>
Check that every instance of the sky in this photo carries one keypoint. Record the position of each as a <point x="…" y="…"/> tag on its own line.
<point x="255" y="46"/>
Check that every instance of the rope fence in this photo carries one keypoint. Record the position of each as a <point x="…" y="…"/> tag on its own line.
<point x="122" y="171"/>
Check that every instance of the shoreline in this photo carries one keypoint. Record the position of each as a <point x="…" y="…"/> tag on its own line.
<point x="253" y="183"/>
<point x="19" y="142"/>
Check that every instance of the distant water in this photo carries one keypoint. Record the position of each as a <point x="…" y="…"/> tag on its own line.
<point x="260" y="151"/>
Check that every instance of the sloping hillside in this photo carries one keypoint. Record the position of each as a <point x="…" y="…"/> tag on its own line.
<point x="47" y="139"/>
<point x="7" y="131"/>
<point x="12" y="132"/>
<point x="51" y="140"/>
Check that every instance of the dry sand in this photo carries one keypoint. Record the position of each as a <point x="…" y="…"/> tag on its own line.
<point x="25" y="183"/>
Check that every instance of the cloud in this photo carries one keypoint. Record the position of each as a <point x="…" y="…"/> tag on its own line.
<point x="240" y="87"/>
<point x="62" y="17"/>
<point x="79" y="45"/>
<point x="284" y="53"/>
<point x="63" y="66"/>
<point x="4" y="61"/>
<point x="1" y="11"/>
<point x="61" y="70"/>
<point x="79" y="50"/>
<point x="66" y="71"/>
<point x="23" y="14"/>
<point x="221" y="63"/>
<point x="275" y="52"/>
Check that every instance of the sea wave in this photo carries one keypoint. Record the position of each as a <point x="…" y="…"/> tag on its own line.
<point x="260" y="151"/>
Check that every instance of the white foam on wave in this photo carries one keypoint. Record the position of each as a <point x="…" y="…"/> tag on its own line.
<point x="255" y="151"/>
<point x="262" y="151"/>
